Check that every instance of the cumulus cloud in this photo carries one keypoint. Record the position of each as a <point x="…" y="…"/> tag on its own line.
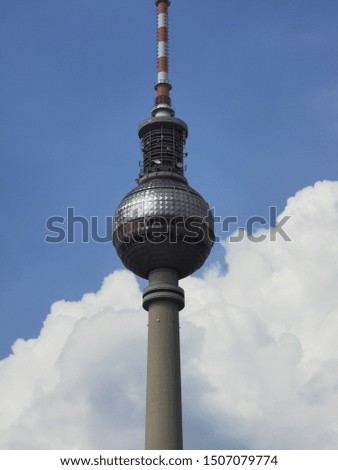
<point x="270" y="352"/>
<point x="80" y="383"/>
<point x="259" y="351"/>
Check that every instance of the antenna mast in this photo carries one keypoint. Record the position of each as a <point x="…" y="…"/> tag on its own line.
<point x="162" y="86"/>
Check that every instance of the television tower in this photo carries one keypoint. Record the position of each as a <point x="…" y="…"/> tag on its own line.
<point x="163" y="231"/>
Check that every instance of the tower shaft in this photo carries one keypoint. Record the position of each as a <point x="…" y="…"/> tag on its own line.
<point x="163" y="299"/>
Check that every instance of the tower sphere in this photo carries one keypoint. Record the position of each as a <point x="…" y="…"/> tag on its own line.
<point x="163" y="223"/>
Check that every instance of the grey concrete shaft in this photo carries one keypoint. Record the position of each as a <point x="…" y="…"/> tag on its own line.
<point x="163" y="405"/>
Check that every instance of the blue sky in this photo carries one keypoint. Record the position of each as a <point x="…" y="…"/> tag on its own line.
<point x="256" y="81"/>
<point x="252" y="79"/>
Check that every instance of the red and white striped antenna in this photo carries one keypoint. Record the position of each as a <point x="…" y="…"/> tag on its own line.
<point x="162" y="86"/>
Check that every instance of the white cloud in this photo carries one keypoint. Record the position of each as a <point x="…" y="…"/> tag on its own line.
<point x="270" y="349"/>
<point x="79" y="384"/>
<point x="259" y="351"/>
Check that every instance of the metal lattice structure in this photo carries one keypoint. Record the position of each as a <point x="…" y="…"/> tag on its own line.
<point x="163" y="150"/>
